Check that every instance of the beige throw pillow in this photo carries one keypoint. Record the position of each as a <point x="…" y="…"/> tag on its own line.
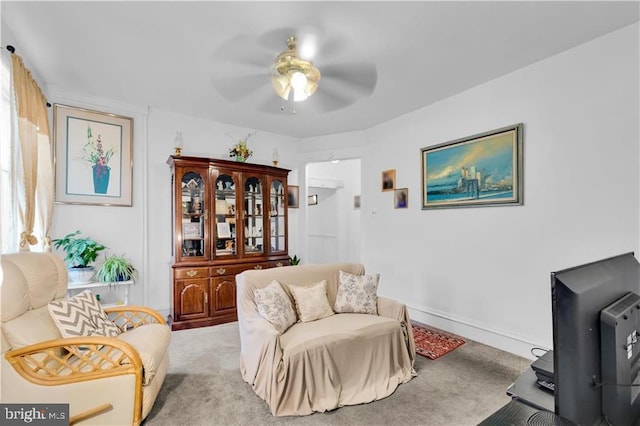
<point x="311" y="301"/>
<point x="275" y="306"/>
<point x="82" y="315"/>
<point x="357" y="294"/>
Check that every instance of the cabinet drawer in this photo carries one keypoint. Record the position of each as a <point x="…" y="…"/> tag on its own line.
<point x="184" y="273"/>
<point x="218" y="271"/>
<point x="278" y="263"/>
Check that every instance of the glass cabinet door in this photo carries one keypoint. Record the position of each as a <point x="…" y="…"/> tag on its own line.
<point x="253" y="216"/>
<point x="193" y="215"/>
<point x="277" y="225"/>
<point x="225" y="214"/>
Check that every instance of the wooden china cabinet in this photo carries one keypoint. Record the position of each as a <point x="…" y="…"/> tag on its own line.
<point x="227" y="217"/>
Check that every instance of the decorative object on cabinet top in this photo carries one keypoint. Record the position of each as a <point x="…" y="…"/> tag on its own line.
<point x="240" y="151"/>
<point x="178" y="143"/>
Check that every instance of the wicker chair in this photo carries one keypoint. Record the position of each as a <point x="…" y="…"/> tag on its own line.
<point x="105" y="380"/>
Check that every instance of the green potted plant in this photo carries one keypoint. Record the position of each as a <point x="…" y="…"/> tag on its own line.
<point x="80" y="253"/>
<point x="116" y="268"/>
<point x="295" y="260"/>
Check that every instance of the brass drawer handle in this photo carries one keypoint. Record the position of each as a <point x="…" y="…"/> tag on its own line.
<point x="192" y="273"/>
<point x="257" y="267"/>
<point x="279" y="264"/>
<point x="221" y="271"/>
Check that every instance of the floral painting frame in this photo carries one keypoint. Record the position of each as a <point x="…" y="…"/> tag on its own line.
<point x="93" y="157"/>
<point x="480" y="170"/>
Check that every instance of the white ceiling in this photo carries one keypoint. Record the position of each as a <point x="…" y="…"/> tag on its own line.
<point x="197" y="58"/>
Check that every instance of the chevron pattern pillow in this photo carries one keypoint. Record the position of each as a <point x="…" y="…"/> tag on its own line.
<point x="82" y="315"/>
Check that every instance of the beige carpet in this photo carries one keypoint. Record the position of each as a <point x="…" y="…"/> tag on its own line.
<point x="204" y="387"/>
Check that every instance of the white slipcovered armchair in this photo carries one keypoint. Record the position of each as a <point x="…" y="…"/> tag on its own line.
<point x="105" y="380"/>
<point x="317" y="365"/>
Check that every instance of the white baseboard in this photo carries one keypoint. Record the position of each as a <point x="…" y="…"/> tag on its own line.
<point x="496" y="339"/>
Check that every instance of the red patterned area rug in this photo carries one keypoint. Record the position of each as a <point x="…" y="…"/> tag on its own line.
<point x="434" y="343"/>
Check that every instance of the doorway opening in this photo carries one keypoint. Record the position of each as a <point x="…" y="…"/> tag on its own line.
<point x="333" y="211"/>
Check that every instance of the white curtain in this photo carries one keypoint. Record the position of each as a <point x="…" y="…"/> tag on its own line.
<point x="34" y="169"/>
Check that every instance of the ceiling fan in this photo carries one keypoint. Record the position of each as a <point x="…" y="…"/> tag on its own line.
<point x="294" y="77"/>
<point x="253" y="72"/>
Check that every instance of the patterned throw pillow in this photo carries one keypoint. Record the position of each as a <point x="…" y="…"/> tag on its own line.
<point x="275" y="306"/>
<point x="82" y="315"/>
<point x="311" y="301"/>
<point x="357" y="294"/>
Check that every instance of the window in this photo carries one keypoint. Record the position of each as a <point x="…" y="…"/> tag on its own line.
<point x="8" y="213"/>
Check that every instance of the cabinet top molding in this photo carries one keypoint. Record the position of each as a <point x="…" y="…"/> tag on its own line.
<point x="218" y="162"/>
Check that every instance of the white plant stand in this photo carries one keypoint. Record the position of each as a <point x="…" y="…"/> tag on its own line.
<point x="111" y="294"/>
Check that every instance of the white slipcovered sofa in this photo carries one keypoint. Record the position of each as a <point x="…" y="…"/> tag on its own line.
<point x="319" y="365"/>
<point x="105" y="380"/>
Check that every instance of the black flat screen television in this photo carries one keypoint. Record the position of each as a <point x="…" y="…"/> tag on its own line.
<point x="579" y="295"/>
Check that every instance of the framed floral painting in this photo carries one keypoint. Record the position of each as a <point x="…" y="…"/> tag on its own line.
<point x="93" y="156"/>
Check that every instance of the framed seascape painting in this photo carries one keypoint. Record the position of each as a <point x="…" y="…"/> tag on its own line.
<point x="479" y="170"/>
<point x="93" y="156"/>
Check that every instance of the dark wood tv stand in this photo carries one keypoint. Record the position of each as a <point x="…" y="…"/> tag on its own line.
<point x="529" y="405"/>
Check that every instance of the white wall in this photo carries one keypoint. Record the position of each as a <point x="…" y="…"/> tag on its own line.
<point x="120" y="228"/>
<point x="143" y="232"/>
<point x="485" y="272"/>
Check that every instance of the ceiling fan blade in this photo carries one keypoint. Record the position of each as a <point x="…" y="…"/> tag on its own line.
<point x="311" y="41"/>
<point x="360" y="78"/>
<point x="330" y="48"/>
<point x="275" y="41"/>
<point x="327" y="100"/>
<point x="243" y="49"/>
<point x="239" y="87"/>
<point x="272" y="103"/>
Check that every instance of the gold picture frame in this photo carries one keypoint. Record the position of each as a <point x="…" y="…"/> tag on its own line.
<point x="389" y="180"/>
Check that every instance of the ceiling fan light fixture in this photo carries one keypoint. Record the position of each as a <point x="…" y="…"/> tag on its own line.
<point x="299" y="84"/>
<point x="298" y="80"/>
<point x="290" y="72"/>
<point x="281" y="85"/>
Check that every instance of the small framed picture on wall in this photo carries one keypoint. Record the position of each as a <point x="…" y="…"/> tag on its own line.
<point x="293" y="196"/>
<point x="401" y="198"/>
<point x="389" y="180"/>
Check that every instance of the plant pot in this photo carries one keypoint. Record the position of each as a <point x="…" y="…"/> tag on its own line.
<point x="240" y="159"/>
<point x="79" y="276"/>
